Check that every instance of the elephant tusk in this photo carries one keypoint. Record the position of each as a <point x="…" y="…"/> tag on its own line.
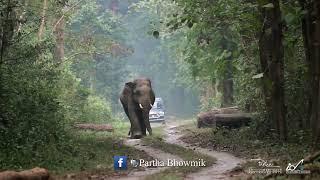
<point x="140" y="105"/>
<point x="151" y="105"/>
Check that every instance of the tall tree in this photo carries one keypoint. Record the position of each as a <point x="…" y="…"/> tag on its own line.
<point x="315" y="64"/>
<point x="272" y="64"/>
<point x="8" y="20"/>
<point x="227" y="92"/>
<point x="306" y="34"/>
<point x="43" y="19"/>
<point x="311" y="36"/>
<point x="59" y="36"/>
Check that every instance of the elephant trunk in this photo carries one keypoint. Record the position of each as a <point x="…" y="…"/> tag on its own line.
<point x="145" y="103"/>
<point x="146" y="121"/>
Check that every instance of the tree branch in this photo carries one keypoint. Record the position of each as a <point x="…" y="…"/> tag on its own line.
<point x="63" y="15"/>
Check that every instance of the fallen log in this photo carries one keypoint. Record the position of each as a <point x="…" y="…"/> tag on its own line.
<point x="232" y="120"/>
<point x="95" y="127"/>
<point x="227" y="110"/>
<point x="32" y="174"/>
<point x="207" y="119"/>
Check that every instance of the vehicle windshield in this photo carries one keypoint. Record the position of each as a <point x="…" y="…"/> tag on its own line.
<point x="157" y="105"/>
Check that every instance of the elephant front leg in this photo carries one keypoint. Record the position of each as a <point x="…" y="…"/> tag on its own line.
<point x="143" y="128"/>
<point x="149" y="129"/>
<point x="142" y="125"/>
<point x="135" y="125"/>
<point x="147" y="124"/>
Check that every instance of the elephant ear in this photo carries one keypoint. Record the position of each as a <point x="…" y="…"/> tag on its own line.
<point x="149" y="81"/>
<point x="131" y="85"/>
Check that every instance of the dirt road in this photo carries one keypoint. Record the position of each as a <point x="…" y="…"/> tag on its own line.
<point x="225" y="161"/>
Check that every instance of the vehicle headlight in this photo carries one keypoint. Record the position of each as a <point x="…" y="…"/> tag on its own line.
<point x="161" y="113"/>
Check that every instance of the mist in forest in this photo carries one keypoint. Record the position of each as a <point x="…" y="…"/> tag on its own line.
<point x="152" y="59"/>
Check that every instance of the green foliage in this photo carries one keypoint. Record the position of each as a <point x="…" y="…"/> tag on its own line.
<point x="41" y="97"/>
<point x="97" y="49"/>
<point x="96" y="109"/>
<point x="199" y="37"/>
<point x="211" y="102"/>
<point x="34" y="115"/>
<point x="202" y="35"/>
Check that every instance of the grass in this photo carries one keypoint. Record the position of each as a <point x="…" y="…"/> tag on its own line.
<point x="245" y="143"/>
<point x="121" y="128"/>
<point x="95" y="152"/>
<point x="92" y="153"/>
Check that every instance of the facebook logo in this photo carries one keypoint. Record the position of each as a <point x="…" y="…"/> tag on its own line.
<point x="120" y="162"/>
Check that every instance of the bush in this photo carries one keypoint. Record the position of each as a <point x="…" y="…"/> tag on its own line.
<point x="32" y="118"/>
<point x="41" y="99"/>
<point x="96" y="109"/>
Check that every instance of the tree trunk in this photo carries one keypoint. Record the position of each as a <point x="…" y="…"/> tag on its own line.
<point x="227" y="87"/>
<point x="43" y="19"/>
<point x="59" y="36"/>
<point x="227" y="83"/>
<point x="311" y="37"/>
<point x="272" y="64"/>
<point x="7" y="25"/>
<point x="315" y="63"/>
<point x="306" y="34"/>
<point x="114" y="6"/>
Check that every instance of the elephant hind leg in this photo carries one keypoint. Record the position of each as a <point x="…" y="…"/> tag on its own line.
<point x="127" y="113"/>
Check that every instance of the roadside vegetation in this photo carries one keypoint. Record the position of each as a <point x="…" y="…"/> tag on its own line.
<point x="249" y="144"/>
<point x="92" y="156"/>
<point x="245" y="143"/>
<point x="86" y="154"/>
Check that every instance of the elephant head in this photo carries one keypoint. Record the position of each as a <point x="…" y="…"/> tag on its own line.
<point x="137" y="99"/>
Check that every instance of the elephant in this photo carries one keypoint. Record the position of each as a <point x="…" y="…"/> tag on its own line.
<point x="137" y="98"/>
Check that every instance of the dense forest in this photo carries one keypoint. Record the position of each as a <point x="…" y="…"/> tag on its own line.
<point x="65" y="61"/>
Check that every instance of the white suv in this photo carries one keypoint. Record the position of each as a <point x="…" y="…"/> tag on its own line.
<point x="157" y="112"/>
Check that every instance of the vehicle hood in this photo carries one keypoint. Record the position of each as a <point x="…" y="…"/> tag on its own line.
<point x="155" y="111"/>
